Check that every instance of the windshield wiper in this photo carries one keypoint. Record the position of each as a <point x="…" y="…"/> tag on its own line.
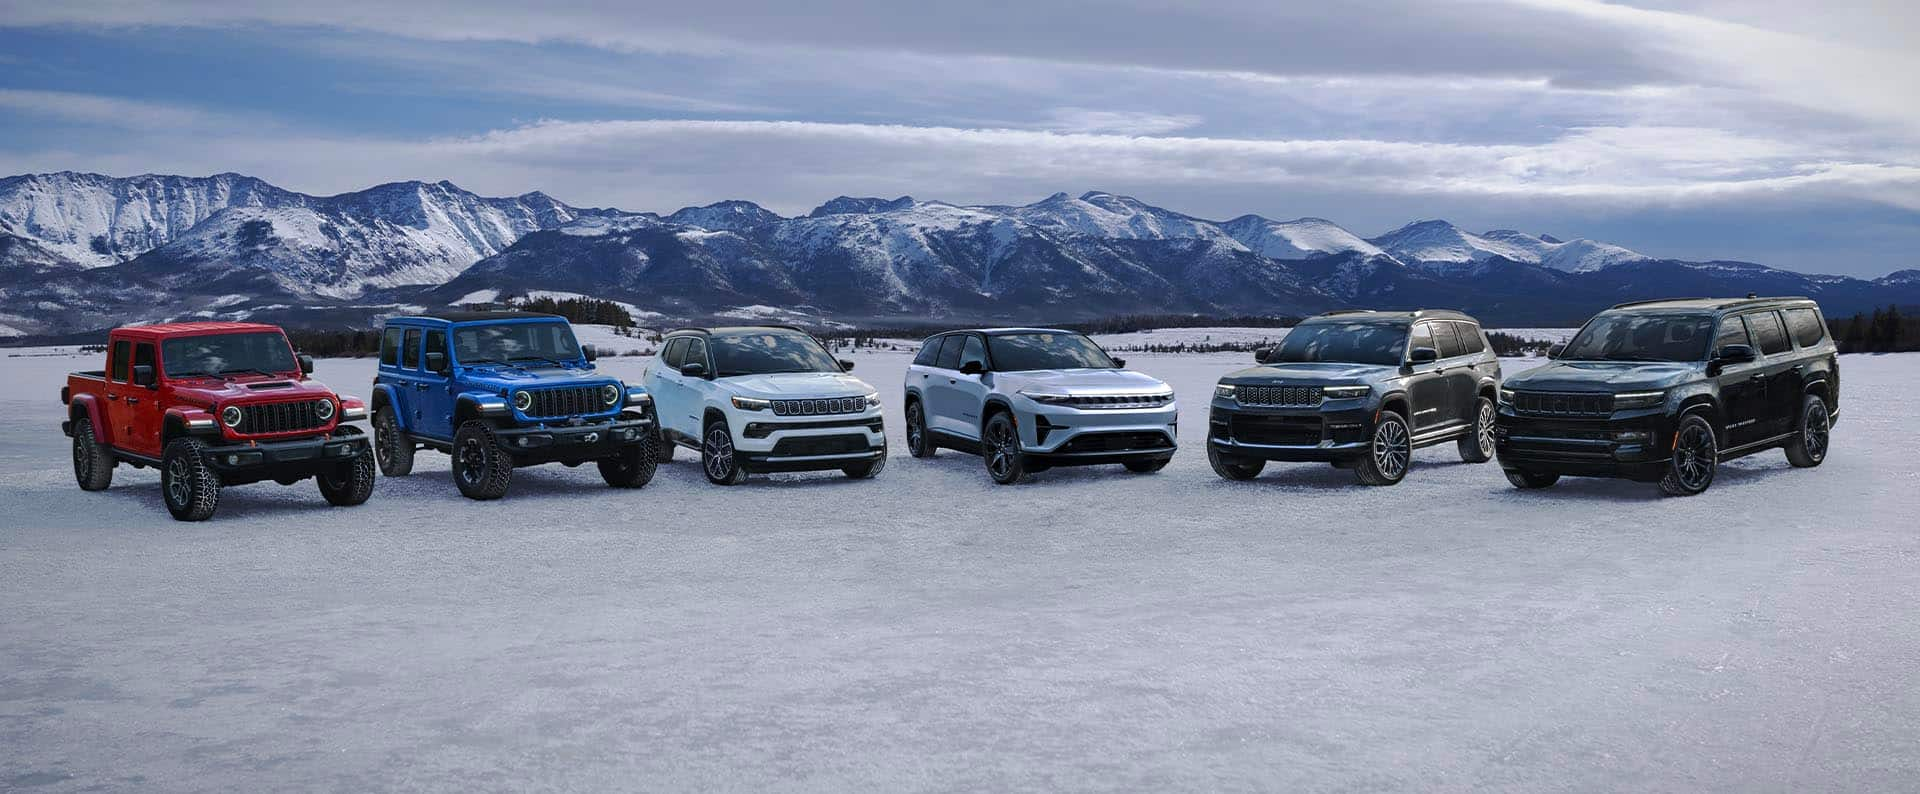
<point x="554" y="362"/>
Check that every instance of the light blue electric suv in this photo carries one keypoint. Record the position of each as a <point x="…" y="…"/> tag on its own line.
<point x="1028" y="399"/>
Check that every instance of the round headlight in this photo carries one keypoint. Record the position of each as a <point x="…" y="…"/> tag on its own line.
<point x="323" y="409"/>
<point x="610" y="394"/>
<point x="230" y="416"/>
<point x="522" y="400"/>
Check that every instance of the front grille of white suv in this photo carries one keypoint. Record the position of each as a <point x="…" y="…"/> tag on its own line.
<point x="829" y="405"/>
<point x="1110" y="402"/>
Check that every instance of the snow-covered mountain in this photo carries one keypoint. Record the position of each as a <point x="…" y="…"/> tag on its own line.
<point x="81" y="251"/>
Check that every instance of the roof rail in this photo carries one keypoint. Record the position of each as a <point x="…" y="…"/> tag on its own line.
<point x="1346" y="311"/>
<point x="709" y="331"/>
<point x="1655" y="300"/>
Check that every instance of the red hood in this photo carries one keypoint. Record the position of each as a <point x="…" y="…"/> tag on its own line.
<point x="247" y="389"/>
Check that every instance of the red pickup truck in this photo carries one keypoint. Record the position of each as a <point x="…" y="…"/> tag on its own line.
<point x="212" y="404"/>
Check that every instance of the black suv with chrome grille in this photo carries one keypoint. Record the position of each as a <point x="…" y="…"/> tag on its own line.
<point x="1663" y="391"/>
<point x="1360" y="390"/>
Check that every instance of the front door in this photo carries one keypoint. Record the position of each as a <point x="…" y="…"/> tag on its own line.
<point x="944" y="396"/>
<point x="1742" y="387"/>
<point x="1427" y="387"/>
<point x="132" y="412"/>
<point x="435" y="390"/>
<point x="410" y="387"/>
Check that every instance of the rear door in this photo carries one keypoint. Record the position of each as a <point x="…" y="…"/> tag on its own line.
<point x="664" y="381"/>
<point x="409" y="388"/>
<point x="114" y="411"/>
<point x="436" y="391"/>
<point x="1457" y="368"/>
<point x="1781" y="370"/>
<point x="1742" y="386"/>
<point x="943" y="389"/>
<point x="1427" y="387"/>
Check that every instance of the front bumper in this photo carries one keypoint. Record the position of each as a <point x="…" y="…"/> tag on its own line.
<point x="764" y="442"/>
<point x="1335" y="432"/>
<point x="1066" y="436"/>
<point x="282" y="460"/>
<point x="1633" y="446"/>
<point x="572" y="443"/>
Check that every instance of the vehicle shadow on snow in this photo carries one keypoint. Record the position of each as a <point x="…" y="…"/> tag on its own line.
<point x="1732" y="476"/>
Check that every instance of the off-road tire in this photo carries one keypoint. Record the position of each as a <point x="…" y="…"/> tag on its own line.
<point x="662" y="446"/>
<point x="868" y="469"/>
<point x="92" y="461"/>
<point x="1477" y="445"/>
<point x="719" y="461"/>
<point x="1527" y="480"/>
<point x="919" y="440"/>
<point x="1389" y="452"/>
<point x="352" y="482"/>
<point x="1147" y="466"/>
<point x="1808" y="447"/>
<point x="481" y="469"/>
<point x="634" y="466"/>
<point x="1691" y="469"/>
<point x="1000" y="448"/>
<point x="393" y="446"/>
<point x="188" y="485"/>
<point x="1233" y="468"/>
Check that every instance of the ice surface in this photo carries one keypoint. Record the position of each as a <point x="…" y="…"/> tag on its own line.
<point x="1089" y="630"/>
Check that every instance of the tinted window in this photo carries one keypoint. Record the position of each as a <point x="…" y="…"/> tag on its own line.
<point x="1349" y="343"/>
<point x="223" y="354"/>
<point x="1031" y="351"/>
<point x="117" y="363"/>
<point x="437" y="342"/>
<point x="1470" y="337"/>
<point x="1732" y="332"/>
<point x="1806" y="327"/>
<point x="1422" y="336"/>
<point x="390" y="347"/>
<point x="1450" y="345"/>
<point x="143" y="352"/>
<point x="929" y="352"/>
<point x="410" y="349"/>
<point x="950" y="352"/>
<point x="974" y="352"/>
<point x="762" y="352"/>
<point x="1626" y="336"/>
<point x="695" y="352"/>
<point x="516" y="343"/>
<point x="676" y="348"/>
<point x="1768" y="333"/>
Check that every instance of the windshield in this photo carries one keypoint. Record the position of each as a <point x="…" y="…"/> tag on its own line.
<point x="1642" y="337"/>
<point x="1345" y="343"/>
<point x="1030" y="351"/>
<point x="264" y="352"/>
<point x="515" y="343"/>
<point x="764" y="352"/>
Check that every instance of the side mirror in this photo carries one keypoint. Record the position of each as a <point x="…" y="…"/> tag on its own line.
<point x="1262" y="355"/>
<point x="1556" y="351"/>
<point x="437" y="363"/>
<point x="846" y="366"/>
<point x="1118" y="362"/>
<point x="1735" y="354"/>
<point x="972" y="368"/>
<point x="1422" y="355"/>
<point x="143" y="375"/>
<point x="694" y="369"/>
<point x="306" y="363"/>
<point x="587" y="352"/>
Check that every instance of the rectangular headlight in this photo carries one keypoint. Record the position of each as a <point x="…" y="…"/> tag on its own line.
<point x="1223" y="391"/>
<point x="638" y="397"/>
<point x="1345" y="392"/>
<point x="751" y="404"/>
<point x="1047" y="398"/>
<point x="1506" y="396"/>
<point x="1627" y="401"/>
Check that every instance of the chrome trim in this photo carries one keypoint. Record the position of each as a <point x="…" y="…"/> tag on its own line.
<point x="874" y="453"/>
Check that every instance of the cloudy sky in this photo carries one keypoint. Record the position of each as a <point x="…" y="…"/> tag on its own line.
<point x="1775" y="131"/>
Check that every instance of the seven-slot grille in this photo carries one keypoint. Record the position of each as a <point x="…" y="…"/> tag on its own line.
<point x="1277" y="395"/>
<point x="1550" y="403"/>
<point x="567" y="401"/>
<point x="288" y="417"/>
<point x="829" y="405"/>
<point x="1097" y="402"/>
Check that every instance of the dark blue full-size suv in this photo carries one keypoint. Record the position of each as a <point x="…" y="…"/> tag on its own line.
<point x="501" y="389"/>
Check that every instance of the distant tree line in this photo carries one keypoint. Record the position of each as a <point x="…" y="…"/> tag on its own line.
<point x="335" y="344"/>
<point x="1510" y="346"/>
<point x="586" y="311"/>
<point x="1886" y="330"/>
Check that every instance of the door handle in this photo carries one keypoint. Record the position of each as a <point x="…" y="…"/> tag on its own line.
<point x="133" y="401"/>
<point x="113" y="396"/>
<point x="952" y="382"/>
<point x="420" y="386"/>
<point x="1758" y="376"/>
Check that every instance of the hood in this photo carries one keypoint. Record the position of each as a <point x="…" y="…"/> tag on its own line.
<point x="1080" y="381"/>
<point x="248" y="389"/>
<point x="1311" y="373"/>
<point x="1604" y="376"/>
<point x="507" y="377"/>
<point x="793" y="385"/>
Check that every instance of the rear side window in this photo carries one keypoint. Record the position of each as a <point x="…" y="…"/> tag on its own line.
<point x="950" y="352"/>
<point x="410" y="349"/>
<point x="1768" y="333"/>
<point x="1422" y="337"/>
<point x="974" y="352"/>
<point x="1733" y="331"/>
<point x="117" y="363"/>
<point x="929" y="352"/>
<point x="1449" y="343"/>
<point x="1806" y="327"/>
<point x="390" y="347"/>
<point x="1470" y="338"/>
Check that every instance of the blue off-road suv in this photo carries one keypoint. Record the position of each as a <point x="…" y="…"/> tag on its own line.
<point x="502" y="389"/>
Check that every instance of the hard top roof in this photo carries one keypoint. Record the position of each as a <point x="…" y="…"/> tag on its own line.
<point x="475" y="316"/>
<point x="728" y="329"/>
<point x="1711" y="304"/>
<point x="1374" y="316"/>
<point x="194" y="329"/>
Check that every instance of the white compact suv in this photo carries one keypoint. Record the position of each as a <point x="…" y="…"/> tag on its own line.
<point x="1028" y="399"/>
<point x="763" y="399"/>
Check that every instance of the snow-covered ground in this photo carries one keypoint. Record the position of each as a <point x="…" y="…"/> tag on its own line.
<point x="1089" y="630"/>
